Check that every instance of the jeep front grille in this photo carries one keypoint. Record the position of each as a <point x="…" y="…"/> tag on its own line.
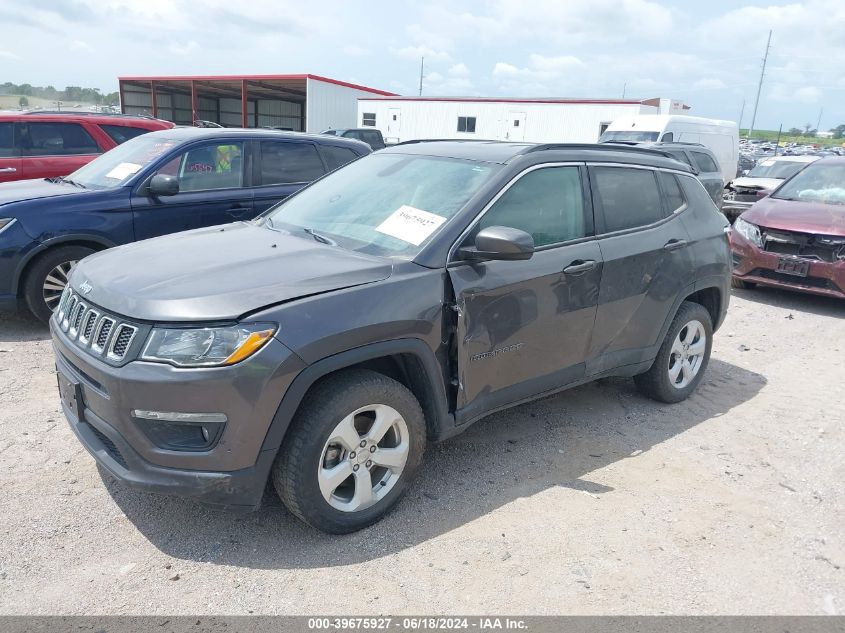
<point x="98" y="333"/>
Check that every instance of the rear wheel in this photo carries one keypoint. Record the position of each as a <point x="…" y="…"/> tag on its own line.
<point x="48" y="276"/>
<point x="352" y="450"/>
<point x="682" y="358"/>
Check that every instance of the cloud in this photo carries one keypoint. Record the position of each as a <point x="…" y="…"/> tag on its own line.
<point x="709" y="83"/>
<point x="80" y="45"/>
<point x="459" y="70"/>
<point x="353" y="50"/>
<point x="183" y="49"/>
<point x="416" y="52"/>
<point x="8" y="55"/>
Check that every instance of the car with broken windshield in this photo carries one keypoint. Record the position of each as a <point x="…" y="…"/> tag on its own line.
<point x="761" y="180"/>
<point x="385" y="307"/>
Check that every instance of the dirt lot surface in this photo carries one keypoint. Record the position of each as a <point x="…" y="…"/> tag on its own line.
<point x="592" y="501"/>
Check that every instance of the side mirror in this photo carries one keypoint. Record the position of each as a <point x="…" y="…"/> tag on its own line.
<point x="500" y="243"/>
<point x="164" y="185"/>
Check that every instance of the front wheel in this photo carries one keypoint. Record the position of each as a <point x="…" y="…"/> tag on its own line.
<point x="47" y="278"/>
<point x="682" y="358"/>
<point x="352" y="450"/>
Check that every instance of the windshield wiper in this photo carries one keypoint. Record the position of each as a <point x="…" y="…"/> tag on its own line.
<point x="320" y="238"/>
<point x="70" y="182"/>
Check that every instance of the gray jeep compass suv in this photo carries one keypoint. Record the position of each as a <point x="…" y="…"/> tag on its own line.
<point x="390" y="304"/>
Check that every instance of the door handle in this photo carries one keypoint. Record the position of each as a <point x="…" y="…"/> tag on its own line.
<point x="579" y="266"/>
<point x="7" y="170"/>
<point x="673" y="245"/>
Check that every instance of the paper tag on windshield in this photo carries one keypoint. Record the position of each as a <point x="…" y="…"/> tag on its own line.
<point x="410" y="225"/>
<point x="123" y="170"/>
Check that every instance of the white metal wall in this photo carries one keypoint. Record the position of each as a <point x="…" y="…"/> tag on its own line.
<point x="541" y="123"/>
<point x="330" y="106"/>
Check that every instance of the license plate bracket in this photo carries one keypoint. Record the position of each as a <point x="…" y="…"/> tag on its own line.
<point x="793" y="266"/>
<point x="71" y="394"/>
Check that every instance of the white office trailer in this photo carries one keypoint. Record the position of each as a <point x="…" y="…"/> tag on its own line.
<point x="544" y="120"/>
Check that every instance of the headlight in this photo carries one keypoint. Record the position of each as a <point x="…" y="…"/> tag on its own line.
<point x="206" y="346"/>
<point x="749" y="231"/>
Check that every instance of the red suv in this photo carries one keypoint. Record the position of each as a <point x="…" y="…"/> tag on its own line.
<point x="45" y="145"/>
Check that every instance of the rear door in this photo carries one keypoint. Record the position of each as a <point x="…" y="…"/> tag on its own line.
<point x="647" y="262"/>
<point x="10" y="156"/>
<point x="214" y="189"/>
<point x="54" y="148"/>
<point x="524" y="327"/>
<point x="282" y="168"/>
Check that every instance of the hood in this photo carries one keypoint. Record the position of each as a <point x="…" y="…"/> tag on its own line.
<point x="756" y="183"/>
<point x="219" y="273"/>
<point x="21" y="190"/>
<point x="798" y="215"/>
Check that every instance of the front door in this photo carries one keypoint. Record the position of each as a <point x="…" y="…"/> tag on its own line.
<point x="10" y="157"/>
<point x="515" y="126"/>
<point x="524" y="327"/>
<point x="647" y="262"/>
<point x="394" y="122"/>
<point x="211" y="191"/>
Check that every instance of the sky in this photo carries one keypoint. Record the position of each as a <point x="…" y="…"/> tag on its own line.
<point x="707" y="54"/>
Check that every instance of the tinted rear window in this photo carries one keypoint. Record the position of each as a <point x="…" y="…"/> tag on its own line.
<point x="629" y="197"/>
<point x="283" y="162"/>
<point x="672" y="195"/>
<point x="122" y="133"/>
<point x="337" y="156"/>
<point x="704" y="162"/>
<point x="56" y="139"/>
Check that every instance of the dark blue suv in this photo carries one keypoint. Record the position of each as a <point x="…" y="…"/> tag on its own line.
<point x="158" y="183"/>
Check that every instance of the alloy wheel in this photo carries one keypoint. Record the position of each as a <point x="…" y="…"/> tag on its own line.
<point x="363" y="458"/>
<point x="687" y="354"/>
<point x="55" y="283"/>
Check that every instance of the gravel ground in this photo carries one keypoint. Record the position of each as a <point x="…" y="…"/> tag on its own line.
<point x="592" y="501"/>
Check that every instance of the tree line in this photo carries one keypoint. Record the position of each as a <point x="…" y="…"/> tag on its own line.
<point x="70" y="93"/>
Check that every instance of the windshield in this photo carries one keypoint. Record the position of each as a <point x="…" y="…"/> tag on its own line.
<point x="782" y="169"/>
<point x="118" y="165"/>
<point x="630" y="136"/>
<point x="383" y="204"/>
<point x="823" y="182"/>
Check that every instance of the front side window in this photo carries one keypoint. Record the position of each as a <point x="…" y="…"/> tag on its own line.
<point x="668" y="138"/>
<point x="207" y="167"/>
<point x="383" y="204"/>
<point x="547" y="203"/>
<point x="284" y="163"/>
<point x="122" y="133"/>
<point x="704" y="163"/>
<point x="56" y="139"/>
<point x="368" y="119"/>
<point x="628" y="136"/>
<point x="466" y="124"/>
<point x="628" y="197"/>
<point x="7" y="137"/>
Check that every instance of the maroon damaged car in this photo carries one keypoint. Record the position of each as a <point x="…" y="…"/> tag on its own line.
<point x="795" y="238"/>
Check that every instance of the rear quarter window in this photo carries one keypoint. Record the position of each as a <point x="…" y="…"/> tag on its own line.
<point x="704" y="162"/>
<point x="336" y="157"/>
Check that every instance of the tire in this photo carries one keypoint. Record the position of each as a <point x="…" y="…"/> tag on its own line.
<point x="316" y="445"/>
<point x="742" y="285"/>
<point x="658" y="382"/>
<point x="57" y="264"/>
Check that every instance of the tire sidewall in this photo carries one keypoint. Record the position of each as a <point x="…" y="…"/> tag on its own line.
<point x="378" y="389"/>
<point x="688" y="312"/>
<point x="34" y="283"/>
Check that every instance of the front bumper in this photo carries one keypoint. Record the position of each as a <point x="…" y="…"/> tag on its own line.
<point x="754" y="265"/>
<point x="733" y="208"/>
<point x="231" y="474"/>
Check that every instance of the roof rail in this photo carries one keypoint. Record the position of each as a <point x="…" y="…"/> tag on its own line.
<point x="89" y="113"/>
<point x="607" y="147"/>
<point x="451" y="140"/>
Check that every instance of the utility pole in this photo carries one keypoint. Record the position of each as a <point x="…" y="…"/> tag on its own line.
<point x="624" y="88"/>
<point x="741" y="112"/>
<point x="760" y="85"/>
<point x="819" y="122"/>
<point x="422" y="66"/>
<point x="777" y="142"/>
